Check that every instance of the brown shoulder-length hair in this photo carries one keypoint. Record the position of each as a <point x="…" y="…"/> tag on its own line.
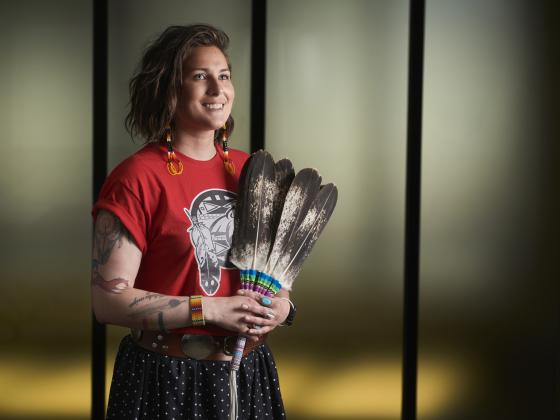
<point x="156" y="84"/>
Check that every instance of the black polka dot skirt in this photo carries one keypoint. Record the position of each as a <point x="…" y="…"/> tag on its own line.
<point x="149" y="385"/>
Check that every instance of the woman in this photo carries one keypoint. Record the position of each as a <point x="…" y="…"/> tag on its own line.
<point x="163" y="226"/>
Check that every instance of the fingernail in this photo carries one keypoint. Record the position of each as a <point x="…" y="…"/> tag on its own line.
<point x="265" y="300"/>
<point x="244" y="306"/>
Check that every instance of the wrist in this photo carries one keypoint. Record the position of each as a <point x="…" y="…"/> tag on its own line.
<point x="290" y="315"/>
<point x="199" y="311"/>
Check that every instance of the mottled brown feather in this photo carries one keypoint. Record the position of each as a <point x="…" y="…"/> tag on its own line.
<point x="252" y="236"/>
<point x="299" y="198"/>
<point x="305" y="236"/>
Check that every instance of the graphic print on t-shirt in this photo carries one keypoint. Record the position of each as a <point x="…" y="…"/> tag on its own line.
<point x="211" y="215"/>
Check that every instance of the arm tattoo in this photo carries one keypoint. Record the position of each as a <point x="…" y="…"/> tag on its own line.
<point x="109" y="232"/>
<point x="115" y="286"/>
<point x="148" y="297"/>
<point x="161" y="324"/>
<point x="151" y="304"/>
<point x="155" y="307"/>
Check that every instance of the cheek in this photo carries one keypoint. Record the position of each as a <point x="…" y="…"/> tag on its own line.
<point x="189" y="95"/>
<point x="231" y="94"/>
<point x="183" y="100"/>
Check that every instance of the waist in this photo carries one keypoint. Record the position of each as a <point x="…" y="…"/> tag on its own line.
<point x="200" y="347"/>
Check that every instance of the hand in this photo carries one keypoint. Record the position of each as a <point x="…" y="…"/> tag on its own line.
<point x="239" y="314"/>
<point x="279" y="307"/>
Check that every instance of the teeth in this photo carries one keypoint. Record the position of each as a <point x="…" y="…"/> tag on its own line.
<point x="214" y="106"/>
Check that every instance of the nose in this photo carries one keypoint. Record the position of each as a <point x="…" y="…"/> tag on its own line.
<point x="214" y="87"/>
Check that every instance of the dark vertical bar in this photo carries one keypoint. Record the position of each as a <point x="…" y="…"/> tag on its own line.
<point x="100" y="68"/>
<point x="412" y="215"/>
<point x="258" y="74"/>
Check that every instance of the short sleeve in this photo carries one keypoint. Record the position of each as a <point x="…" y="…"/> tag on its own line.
<point x="123" y="202"/>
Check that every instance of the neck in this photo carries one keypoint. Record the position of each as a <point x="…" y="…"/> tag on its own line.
<point x="197" y="145"/>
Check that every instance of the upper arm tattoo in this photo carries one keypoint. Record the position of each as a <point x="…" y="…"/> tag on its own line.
<point x="109" y="232"/>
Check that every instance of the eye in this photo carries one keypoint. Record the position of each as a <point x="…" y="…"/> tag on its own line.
<point x="199" y="76"/>
<point x="225" y="76"/>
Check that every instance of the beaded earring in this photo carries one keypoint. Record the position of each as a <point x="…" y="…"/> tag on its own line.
<point x="228" y="163"/>
<point x="174" y="165"/>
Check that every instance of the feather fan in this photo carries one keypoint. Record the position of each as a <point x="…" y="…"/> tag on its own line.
<point x="270" y="258"/>
<point x="252" y="238"/>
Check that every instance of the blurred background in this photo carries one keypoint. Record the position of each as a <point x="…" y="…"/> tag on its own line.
<point x="336" y="83"/>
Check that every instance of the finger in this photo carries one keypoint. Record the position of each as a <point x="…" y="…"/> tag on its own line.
<point x="243" y="292"/>
<point x="260" y="331"/>
<point x="252" y="320"/>
<point x="244" y="330"/>
<point x="249" y="304"/>
<point x="250" y="294"/>
<point x="258" y="310"/>
<point x="270" y="314"/>
<point x="267" y="313"/>
<point x="263" y="311"/>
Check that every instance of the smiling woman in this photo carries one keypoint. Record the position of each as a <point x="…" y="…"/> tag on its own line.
<point x="207" y="92"/>
<point x="163" y="227"/>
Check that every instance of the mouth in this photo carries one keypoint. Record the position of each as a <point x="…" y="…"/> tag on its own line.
<point x="214" y="106"/>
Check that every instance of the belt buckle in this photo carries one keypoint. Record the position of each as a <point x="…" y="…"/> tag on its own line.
<point x="198" y="346"/>
<point x="229" y="348"/>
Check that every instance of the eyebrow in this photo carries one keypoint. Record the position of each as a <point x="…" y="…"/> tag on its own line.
<point x="207" y="70"/>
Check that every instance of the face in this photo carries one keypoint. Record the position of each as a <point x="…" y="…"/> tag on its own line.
<point x="207" y="93"/>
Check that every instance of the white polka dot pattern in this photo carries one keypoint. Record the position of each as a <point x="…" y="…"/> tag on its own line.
<point x="149" y="385"/>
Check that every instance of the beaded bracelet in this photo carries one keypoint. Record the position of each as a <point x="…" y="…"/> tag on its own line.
<point x="197" y="316"/>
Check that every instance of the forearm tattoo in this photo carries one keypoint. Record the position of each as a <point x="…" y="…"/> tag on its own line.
<point x="109" y="232"/>
<point x="156" y="308"/>
<point x="148" y="297"/>
<point x="161" y="324"/>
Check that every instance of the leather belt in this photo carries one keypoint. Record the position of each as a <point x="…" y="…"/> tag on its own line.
<point x="200" y="347"/>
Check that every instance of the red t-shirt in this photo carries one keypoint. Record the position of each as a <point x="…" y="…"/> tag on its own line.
<point x="183" y="224"/>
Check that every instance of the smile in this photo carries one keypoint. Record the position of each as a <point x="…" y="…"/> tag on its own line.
<point x="214" y="106"/>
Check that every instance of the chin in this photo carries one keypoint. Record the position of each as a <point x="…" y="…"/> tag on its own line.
<point x="219" y="124"/>
<point x="210" y="124"/>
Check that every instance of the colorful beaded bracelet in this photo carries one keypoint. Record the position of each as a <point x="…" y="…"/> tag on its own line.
<point x="197" y="316"/>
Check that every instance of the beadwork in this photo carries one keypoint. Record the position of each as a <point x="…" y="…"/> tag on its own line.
<point x="174" y="165"/>
<point x="228" y="163"/>
<point x="197" y="316"/>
